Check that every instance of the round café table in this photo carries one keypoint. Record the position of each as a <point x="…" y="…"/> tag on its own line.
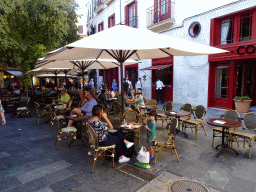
<point x="225" y="124"/>
<point x="130" y="135"/>
<point x="178" y="115"/>
<point x="149" y="107"/>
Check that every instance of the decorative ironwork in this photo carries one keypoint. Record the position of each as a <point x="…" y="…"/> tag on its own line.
<point x="159" y="12"/>
<point x="98" y="3"/>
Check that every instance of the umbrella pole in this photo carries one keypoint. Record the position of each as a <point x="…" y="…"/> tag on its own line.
<point x="122" y="89"/>
<point x="83" y="79"/>
<point x="66" y="79"/>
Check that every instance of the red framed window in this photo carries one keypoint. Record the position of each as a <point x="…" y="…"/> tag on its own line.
<point x="131" y="18"/>
<point x="245" y="27"/>
<point x="226" y="31"/>
<point x="111" y="21"/>
<point x="221" y="81"/>
<point x="101" y="27"/>
<point x="236" y="28"/>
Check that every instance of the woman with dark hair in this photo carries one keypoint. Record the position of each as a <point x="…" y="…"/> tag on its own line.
<point x="107" y="138"/>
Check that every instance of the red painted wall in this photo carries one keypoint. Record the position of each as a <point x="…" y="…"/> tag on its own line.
<point x="230" y="58"/>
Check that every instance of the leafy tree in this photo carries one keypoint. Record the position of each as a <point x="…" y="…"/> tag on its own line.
<point x="31" y="28"/>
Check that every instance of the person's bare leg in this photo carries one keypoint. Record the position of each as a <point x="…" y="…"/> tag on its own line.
<point x="76" y="111"/>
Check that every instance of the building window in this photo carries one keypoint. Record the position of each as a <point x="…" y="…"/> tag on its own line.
<point x="226" y="31"/>
<point x="80" y="29"/>
<point x="131" y="14"/>
<point x="221" y="82"/>
<point x="111" y="21"/>
<point x="101" y="27"/>
<point x="245" y="27"/>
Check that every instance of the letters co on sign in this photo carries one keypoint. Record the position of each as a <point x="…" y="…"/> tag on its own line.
<point x="241" y="50"/>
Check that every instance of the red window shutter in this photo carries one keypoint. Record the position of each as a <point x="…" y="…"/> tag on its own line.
<point x="156" y="12"/>
<point x="114" y="20"/>
<point x="109" y="22"/>
<point x="98" y="27"/>
<point x="126" y="14"/>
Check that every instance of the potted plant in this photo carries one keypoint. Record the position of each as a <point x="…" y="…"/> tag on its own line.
<point x="242" y="103"/>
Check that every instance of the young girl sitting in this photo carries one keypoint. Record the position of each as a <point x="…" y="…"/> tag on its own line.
<point x="150" y="125"/>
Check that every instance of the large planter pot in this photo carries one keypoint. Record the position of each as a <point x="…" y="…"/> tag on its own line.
<point x="242" y="106"/>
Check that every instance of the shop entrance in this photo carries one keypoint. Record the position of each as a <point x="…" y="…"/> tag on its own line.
<point x="234" y="78"/>
<point x="246" y="79"/>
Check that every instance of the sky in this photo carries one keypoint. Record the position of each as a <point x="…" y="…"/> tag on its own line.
<point x="192" y="7"/>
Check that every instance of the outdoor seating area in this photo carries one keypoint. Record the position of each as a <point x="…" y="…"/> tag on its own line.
<point x="178" y="154"/>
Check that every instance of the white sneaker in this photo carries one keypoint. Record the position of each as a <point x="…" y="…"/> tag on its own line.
<point x="129" y="145"/>
<point x="124" y="159"/>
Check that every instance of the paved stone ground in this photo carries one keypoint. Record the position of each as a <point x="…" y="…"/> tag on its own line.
<point x="29" y="162"/>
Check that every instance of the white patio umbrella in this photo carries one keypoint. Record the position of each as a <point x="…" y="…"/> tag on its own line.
<point x="123" y="42"/>
<point x="43" y="72"/>
<point x="81" y="65"/>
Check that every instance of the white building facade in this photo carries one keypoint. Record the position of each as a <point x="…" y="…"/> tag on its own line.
<point x="211" y="81"/>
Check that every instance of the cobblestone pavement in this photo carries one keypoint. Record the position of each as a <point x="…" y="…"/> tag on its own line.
<point x="29" y="162"/>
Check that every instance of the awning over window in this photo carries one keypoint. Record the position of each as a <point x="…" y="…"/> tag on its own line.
<point x="157" y="67"/>
<point x="15" y="73"/>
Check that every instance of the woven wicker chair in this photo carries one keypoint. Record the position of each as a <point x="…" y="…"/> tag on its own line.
<point x="98" y="150"/>
<point x="161" y="143"/>
<point x="117" y="109"/>
<point x="151" y="102"/>
<point x="24" y="110"/>
<point x="217" y="131"/>
<point x="167" y="107"/>
<point x="199" y="113"/>
<point x="53" y="118"/>
<point x="132" y="116"/>
<point x="186" y="107"/>
<point x="63" y="133"/>
<point x="40" y="112"/>
<point x="248" y="134"/>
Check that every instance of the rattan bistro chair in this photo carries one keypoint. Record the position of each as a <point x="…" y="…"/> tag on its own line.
<point x="151" y="102"/>
<point x="167" y="107"/>
<point x="248" y="134"/>
<point x="25" y="109"/>
<point x="117" y="109"/>
<point x="188" y="108"/>
<point x="98" y="150"/>
<point x="53" y="118"/>
<point x="161" y="142"/>
<point x="217" y="131"/>
<point x="63" y="133"/>
<point x="199" y="113"/>
<point x="132" y="116"/>
<point x="40" y="112"/>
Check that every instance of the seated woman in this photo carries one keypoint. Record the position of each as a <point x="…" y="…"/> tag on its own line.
<point x="138" y="99"/>
<point x="107" y="138"/>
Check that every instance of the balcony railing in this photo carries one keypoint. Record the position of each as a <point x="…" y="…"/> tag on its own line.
<point x="158" y="14"/>
<point x="98" y="5"/>
<point x="132" y="22"/>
